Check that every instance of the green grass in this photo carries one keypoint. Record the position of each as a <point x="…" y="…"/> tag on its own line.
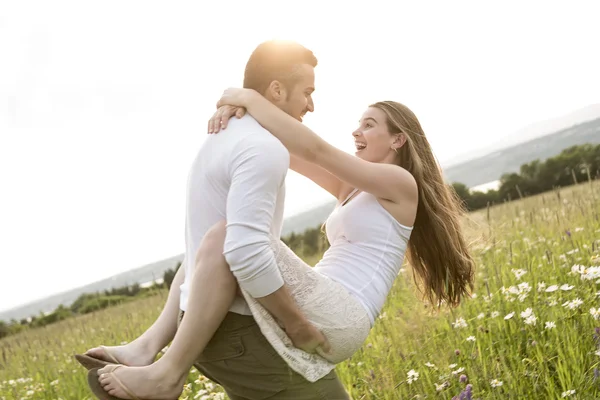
<point x="522" y="250"/>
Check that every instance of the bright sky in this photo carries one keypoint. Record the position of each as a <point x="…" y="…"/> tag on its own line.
<point x="103" y="105"/>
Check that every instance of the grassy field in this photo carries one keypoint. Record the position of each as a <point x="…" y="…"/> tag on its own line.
<point x="530" y="332"/>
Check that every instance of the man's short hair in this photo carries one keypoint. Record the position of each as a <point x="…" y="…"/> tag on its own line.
<point x="276" y="60"/>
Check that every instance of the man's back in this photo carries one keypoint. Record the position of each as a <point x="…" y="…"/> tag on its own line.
<point x="238" y="176"/>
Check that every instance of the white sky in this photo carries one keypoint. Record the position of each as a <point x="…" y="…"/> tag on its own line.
<point x="103" y="105"/>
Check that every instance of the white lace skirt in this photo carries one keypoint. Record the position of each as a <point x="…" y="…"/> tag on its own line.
<point x="327" y="305"/>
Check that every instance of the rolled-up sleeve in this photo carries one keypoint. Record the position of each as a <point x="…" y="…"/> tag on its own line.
<point x="257" y="173"/>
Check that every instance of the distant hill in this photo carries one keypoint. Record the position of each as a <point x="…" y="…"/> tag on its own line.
<point x="491" y="166"/>
<point x="147" y="273"/>
<point x="474" y="172"/>
<point x="530" y="132"/>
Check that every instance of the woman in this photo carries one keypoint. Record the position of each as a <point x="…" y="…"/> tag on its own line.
<point x="392" y="199"/>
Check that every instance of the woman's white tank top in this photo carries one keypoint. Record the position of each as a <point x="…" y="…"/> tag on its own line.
<point x="367" y="250"/>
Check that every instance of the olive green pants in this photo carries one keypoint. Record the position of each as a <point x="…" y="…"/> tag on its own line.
<point x="243" y="362"/>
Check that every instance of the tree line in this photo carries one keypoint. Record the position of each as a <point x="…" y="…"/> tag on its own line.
<point x="573" y="165"/>
<point x="87" y="303"/>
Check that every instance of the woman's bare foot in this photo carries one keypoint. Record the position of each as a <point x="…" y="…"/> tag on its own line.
<point x="148" y="383"/>
<point x="135" y="353"/>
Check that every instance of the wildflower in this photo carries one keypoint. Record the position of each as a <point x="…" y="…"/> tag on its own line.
<point x="519" y="273"/>
<point x="577" y="269"/>
<point x="496" y="313"/>
<point x="590" y="273"/>
<point x="573" y="304"/>
<point x="496" y="383"/>
<point x="568" y="393"/>
<point x="471" y="339"/>
<point x="509" y="316"/>
<point x="463" y="378"/>
<point x="460" y="323"/>
<point x="526" y="313"/>
<point x="430" y="365"/>
<point x="523" y="290"/>
<point x="552" y="288"/>
<point x="412" y="376"/>
<point x="595" y="313"/>
<point x="452" y="366"/>
<point x="566" y="287"/>
<point x="541" y="286"/>
<point x="458" y="371"/>
<point x="481" y="315"/>
<point x="441" y="387"/>
<point x="550" y="325"/>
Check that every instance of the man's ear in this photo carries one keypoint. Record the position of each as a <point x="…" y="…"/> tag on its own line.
<point x="276" y="91"/>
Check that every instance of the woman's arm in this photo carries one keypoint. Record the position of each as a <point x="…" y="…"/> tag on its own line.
<point x="385" y="181"/>
<point x="318" y="175"/>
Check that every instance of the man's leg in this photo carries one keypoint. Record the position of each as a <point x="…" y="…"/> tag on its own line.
<point x="143" y="350"/>
<point x="240" y="359"/>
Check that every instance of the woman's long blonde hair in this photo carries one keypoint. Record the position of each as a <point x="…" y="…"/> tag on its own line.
<point x="437" y="250"/>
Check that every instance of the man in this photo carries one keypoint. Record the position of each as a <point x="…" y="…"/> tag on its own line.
<point x="239" y="176"/>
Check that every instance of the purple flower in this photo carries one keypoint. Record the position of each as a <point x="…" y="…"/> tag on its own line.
<point x="466" y="394"/>
<point x="457" y="352"/>
<point x="463" y="378"/>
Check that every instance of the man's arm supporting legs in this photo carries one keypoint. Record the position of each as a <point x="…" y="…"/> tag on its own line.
<point x="259" y="167"/>
<point x="303" y="334"/>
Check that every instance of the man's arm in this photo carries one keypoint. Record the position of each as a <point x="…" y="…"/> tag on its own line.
<point x="257" y="172"/>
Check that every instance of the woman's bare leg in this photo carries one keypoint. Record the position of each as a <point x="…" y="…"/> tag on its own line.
<point x="213" y="291"/>
<point x="143" y="350"/>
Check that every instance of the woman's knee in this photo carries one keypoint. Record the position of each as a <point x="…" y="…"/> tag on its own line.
<point x="213" y="241"/>
<point x="217" y="232"/>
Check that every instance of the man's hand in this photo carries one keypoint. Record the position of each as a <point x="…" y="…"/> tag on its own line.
<point x="221" y="117"/>
<point x="306" y="337"/>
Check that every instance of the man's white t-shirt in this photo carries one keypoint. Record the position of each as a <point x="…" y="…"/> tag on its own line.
<point x="238" y="176"/>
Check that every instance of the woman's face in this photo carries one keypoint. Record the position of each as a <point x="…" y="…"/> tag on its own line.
<point x="372" y="138"/>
